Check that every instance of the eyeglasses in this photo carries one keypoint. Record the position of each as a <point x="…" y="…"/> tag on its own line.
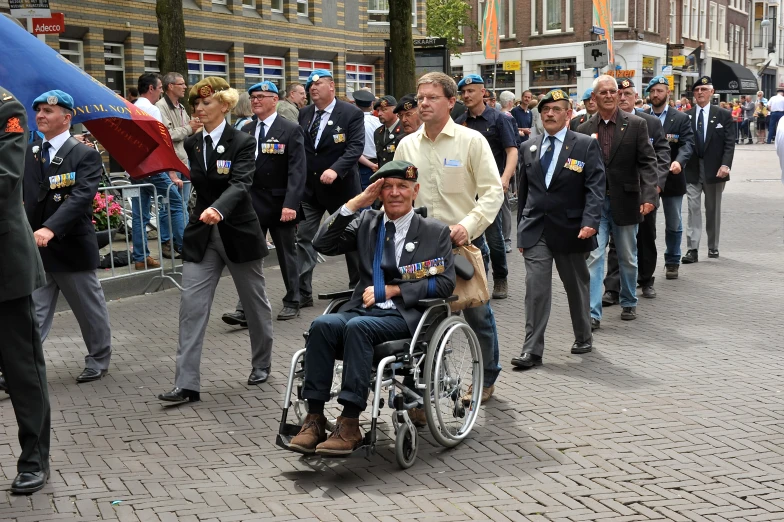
<point x="700" y="89"/>
<point x="609" y="92"/>
<point x="430" y="99"/>
<point x="181" y="84"/>
<point x="554" y="109"/>
<point x="260" y="97"/>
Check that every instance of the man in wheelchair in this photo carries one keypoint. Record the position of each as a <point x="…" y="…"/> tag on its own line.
<point x="403" y="258"/>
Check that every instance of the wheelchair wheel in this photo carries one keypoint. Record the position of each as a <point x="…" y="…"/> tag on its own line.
<point x="453" y="363"/>
<point x="406" y="447"/>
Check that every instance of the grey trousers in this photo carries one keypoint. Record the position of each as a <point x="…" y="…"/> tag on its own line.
<point x="506" y="220"/>
<point x="85" y="296"/>
<point x="712" y="193"/>
<point x="199" y="281"/>
<point x="573" y="271"/>
<point x="284" y="238"/>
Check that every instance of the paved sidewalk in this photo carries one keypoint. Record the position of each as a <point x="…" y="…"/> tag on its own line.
<point x="678" y="415"/>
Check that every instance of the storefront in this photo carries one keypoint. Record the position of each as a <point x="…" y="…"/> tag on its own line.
<point x="732" y="80"/>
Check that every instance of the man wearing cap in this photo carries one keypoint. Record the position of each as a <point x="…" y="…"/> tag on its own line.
<point x="562" y="189"/>
<point x="776" y="110"/>
<point x="708" y="170"/>
<point x="61" y="179"/>
<point x="278" y="185"/>
<point x="461" y="186"/>
<point x="21" y="273"/>
<point x="367" y="162"/>
<point x="631" y="174"/>
<point x="523" y="116"/>
<point x="383" y="305"/>
<point x="680" y="136"/>
<point x="389" y="134"/>
<point x="334" y="141"/>
<point x="587" y="112"/>
<point x="500" y="131"/>
<point x="406" y="110"/>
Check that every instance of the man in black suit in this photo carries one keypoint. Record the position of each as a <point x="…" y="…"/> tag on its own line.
<point x="334" y="141"/>
<point x="383" y="305"/>
<point x="630" y="170"/>
<point x="61" y="180"/>
<point x="708" y="170"/>
<point x="590" y="110"/>
<point x="646" y="233"/>
<point x="277" y="189"/>
<point x="21" y="272"/>
<point x="388" y="136"/>
<point x="679" y="134"/>
<point x="562" y="189"/>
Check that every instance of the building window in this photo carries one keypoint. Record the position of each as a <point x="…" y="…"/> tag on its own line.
<point x="457" y="73"/>
<point x="721" y="35"/>
<point x="358" y="76"/>
<point x="534" y="19"/>
<point x="378" y="12"/>
<point x="651" y="15"/>
<point x="302" y="7"/>
<point x="306" y="67"/>
<point x="672" y="21"/>
<point x="712" y="26"/>
<point x="648" y="68"/>
<point x="72" y="49"/>
<point x="704" y="20"/>
<point x="685" y="20"/>
<point x="501" y="19"/>
<point x="620" y="12"/>
<point x="742" y="40"/>
<point x="150" y="59"/>
<point x="569" y="15"/>
<point x="264" y="68"/>
<point x="114" y="65"/>
<point x="249" y="4"/>
<point x="504" y="80"/>
<point x="550" y="74"/>
<point x="203" y="64"/>
<point x="277" y="6"/>
<point x="731" y="36"/>
<point x="695" y="19"/>
<point x="512" y="28"/>
<point x="219" y="2"/>
<point x="552" y="16"/>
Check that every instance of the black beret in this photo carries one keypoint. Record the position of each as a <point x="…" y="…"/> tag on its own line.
<point x="625" y="83"/>
<point x="363" y="98"/>
<point x="396" y="169"/>
<point x="406" y="103"/>
<point x="704" y="80"/>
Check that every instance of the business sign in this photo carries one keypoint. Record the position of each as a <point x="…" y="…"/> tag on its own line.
<point x="30" y="8"/>
<point x="53" y="25"/>
<point x="671" y="81"/>
<point x="678" y="61"/>
<point x="621" y="73"/>
<point x="602" y="18"/>
<point x="512" y="65"/>
<point x="596" y="54"/>
<point x="666" y="70"/>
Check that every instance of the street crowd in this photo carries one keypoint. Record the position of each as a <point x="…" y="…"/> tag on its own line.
<point x="586" y="177"/>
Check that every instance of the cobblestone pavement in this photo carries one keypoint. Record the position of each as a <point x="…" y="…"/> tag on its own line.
<point x="678" y="415"/>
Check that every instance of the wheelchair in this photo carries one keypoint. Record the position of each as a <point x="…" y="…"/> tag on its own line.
<point x="431" y="370"/>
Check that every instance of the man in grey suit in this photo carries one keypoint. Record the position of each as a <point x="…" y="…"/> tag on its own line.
<point x="562" y="189"/>
<point x="630" y="170"/>
<point x="21" y="272"/>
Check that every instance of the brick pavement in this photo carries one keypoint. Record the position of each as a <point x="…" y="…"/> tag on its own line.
<point x="676" y="416"/>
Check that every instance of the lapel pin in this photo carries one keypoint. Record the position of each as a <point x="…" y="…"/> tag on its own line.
<point x="220" y="149"/>
<point x="409" y="247"/>
<point x="329" y="122"/>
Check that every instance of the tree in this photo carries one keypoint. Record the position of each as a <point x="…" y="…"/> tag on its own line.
<point x="171" y="44"/>
<point x="401" y="44"/>
<point x="448" y="19"/>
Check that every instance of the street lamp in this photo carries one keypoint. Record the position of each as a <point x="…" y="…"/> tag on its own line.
<point x="765" y="24"/>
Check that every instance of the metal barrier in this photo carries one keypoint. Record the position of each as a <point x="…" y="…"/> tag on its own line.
<point x="166" y="201"/>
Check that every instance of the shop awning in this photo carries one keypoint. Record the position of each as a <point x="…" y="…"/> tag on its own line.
<point x="732" y="78"/>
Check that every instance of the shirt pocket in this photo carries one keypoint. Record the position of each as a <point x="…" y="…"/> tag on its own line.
<point x="453" y="180"/>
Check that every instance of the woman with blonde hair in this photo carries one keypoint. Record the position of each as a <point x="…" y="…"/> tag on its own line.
<point x="223" y="231"/>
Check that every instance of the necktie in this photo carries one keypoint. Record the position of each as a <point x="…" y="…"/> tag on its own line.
<point x="262" y="135"/>
<point x="208" y="150"/>
<point x="315" y="127"/>
<point x="701" y="133"/>
<point x="45" y="155"/>
<point x="548" y="155"/>
<point x="384" y="256"/>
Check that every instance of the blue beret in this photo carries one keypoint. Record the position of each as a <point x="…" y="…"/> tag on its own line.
<point x="587" y="94"/>
<point x="55" y="97"/>
<point x="266" y="86"/>
<point x="658" y="80"/>
<point x="315" y="75"/>
<point x="470" y="79"/>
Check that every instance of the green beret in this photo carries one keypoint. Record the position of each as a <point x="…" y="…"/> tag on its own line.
<point x="385" y="101"/>
<point x="396" y="169"/>
<point x="554" y="96"/>
<point x="206" y="88"/>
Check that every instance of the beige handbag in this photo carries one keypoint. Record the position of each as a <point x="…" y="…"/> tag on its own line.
<point x="471" y="292"/>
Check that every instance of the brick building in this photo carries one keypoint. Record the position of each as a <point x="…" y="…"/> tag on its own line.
<point x="245" y="41"/>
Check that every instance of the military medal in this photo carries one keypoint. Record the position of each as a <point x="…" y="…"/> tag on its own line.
<point x="57" y="198"/>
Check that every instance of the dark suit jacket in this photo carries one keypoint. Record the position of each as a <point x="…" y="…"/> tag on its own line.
<point x="385" y="146"/>
<point x="719" y="145"/>
<point x="631" y="168"/>
<point x="279" y="180"/>
<point x="680" y="136"/>
<point x="341" y="234"/>
<point x="348" y="123"/>
<point x="660" y="146"/>
<point x="21" y="270"/>
<point x="66" y="211"/>
<point x="572" y="201"/>
<point x="577" y="121"/>
<point x="229" y="194"/>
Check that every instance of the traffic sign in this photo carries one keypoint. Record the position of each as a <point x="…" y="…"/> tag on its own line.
<point x="53" y="25"/>
<point x="596" y="54"/>
<point x="30" y="8"/>
<point x="598" y="30"/>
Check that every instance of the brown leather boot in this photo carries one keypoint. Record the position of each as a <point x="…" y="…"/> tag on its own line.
<point x="346" y="438"/>
<point x="314" y="431"/>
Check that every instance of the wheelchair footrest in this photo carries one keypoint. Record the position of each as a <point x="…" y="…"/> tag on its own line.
<point x="289" y="431"/>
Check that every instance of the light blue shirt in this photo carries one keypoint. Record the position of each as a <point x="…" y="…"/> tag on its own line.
<point x="559" y="139"/>
<point x="663" y="115"/>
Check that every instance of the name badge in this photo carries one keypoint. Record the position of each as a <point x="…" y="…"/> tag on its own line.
<point x="223" y="166"/>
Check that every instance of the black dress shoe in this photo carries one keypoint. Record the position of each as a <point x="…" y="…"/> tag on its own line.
<point x="527" y="360"/>
<point x="578" y="348"/>
<point x="610" y="298"/>
<point x="258" y="376"/>
<point x="649" y="292"/>
<point x="595" y="324"/>
<point x="690" y="257"/>
<point x="629" y="313"/>
<point x="713" y="253"/>
<point x="91" y="374"/>
<point x="288" y="313"/>
<point x="29" y="482"/>
<point x="305" y="302"/>
<point x="180" y="395"/>
<point x="3" y="385"/>
<point x="235" y="319"/>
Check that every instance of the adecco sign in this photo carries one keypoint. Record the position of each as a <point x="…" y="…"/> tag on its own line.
<point x="53" y="25"/>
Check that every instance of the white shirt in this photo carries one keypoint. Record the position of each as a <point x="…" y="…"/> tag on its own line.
<point x="145" y="105"/>
<point x="705" y="115"/>
<point x="324" y="119"/>
<point x="216" y="134"/>
<point x="776" y="103"/>
<point x="559" y="139"/>
<point x="57" y="142"/>
<point x="371" y="125"/>
<point x="780" y="145"/>
<point x="267" y="124"/>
